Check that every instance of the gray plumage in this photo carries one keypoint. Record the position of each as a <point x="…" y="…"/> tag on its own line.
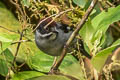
<point x="52" y="42"/>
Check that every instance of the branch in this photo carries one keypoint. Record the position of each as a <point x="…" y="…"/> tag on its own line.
<point x="18" y="47"/>
<point x="21" y="41"/>
<point x="8" y="29"/>
<point x="56" y="15"/>
<point x="15" y="3"/>
<point x="79" y="26"/>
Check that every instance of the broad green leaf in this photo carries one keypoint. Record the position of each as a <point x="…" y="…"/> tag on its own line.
<point x="86" y="33"/>
<point x="8" y="55"/>
<point x="26" y="50"/>
<point x="102" y="56"/>
<point x="80" y="3"/>
<point x="5" y="58"/>
<point x="7" y="19"/>
<point x="26" y="75"/>
<point x="50" y="77"/>
<point x="104" y="19"/>
<point x="100" y="24"/>
<point x="3" y="46"/>
<point x="6" y="40"/>
<point x="3" y="67"/>
<point x="5" y="37"/>
<point x="74" y="70"/>
<point x="1" y="57"/>
<point x="43" y="62"/>
<point x="9" y="22"/>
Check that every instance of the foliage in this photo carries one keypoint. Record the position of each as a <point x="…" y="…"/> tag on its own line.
<point x="96" y="34"/>
<point x="30" y="74"/>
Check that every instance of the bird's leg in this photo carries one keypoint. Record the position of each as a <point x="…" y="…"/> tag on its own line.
<point x="52" y="71"/>
<point x="55" y="60"/>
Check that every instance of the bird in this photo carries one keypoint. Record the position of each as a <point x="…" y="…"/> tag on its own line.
<point x="51" y="40"/>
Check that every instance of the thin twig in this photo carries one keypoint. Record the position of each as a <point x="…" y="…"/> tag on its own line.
<point x="22" y="64"/>
<point x="79" y="26"/>
<point x="110" y="4"/>
<point x="17" y="32"/>
<point x="8" y="29"/>
<point x="118" y="23"/>
<point x="115" y="27"/>
<point x="100" y="6"/>
<point x="8" y="75"/>
<point x="20" y="41"/>
<point x="23" y="20"/>
<point x="18" y="47"/>
<point x="19" y="9"/>
<point x="56" y="15"/>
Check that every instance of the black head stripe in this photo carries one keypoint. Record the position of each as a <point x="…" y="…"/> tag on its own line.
<point x="43" y="24"/>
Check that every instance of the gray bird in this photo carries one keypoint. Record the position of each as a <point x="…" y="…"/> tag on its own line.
<point x="52" y="39"/>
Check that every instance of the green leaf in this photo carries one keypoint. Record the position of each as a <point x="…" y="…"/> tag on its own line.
<point x="26" y="75"/>
<point x="50" y="77"/>
<point x="75" y="70"/>
<point x="3" y="67"/>
<point x="3" y="46"/>
<point x="7" y="22"/>
<point x="43" y="62"/>
<point x="100" y="24"/>
<point x="8" y="55"/>
<point x="5" y="37"/>
<point x="6" y="40"/>
<point x="86" y="33"/>
<point x="5" y="58"/>
<point x="7" y="19"/>
<point x="102" y="56"/>
<point x="104" y="19"/>
<point x="80" y="3"/>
